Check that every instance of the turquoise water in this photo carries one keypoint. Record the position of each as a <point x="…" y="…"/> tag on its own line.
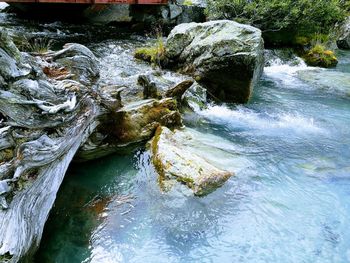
<point x="289" y="148"/>
<point x="289" y="200"/>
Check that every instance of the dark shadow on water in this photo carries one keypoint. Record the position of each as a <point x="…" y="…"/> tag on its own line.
<point x="83" y="197"/>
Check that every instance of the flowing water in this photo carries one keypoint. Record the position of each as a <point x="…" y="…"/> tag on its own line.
<point x="289" y="200"/>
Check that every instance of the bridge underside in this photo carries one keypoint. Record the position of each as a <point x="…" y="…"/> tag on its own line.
<point x="130" y="2"/>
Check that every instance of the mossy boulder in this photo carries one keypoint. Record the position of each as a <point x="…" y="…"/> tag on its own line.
<point x="8" y="46"/>
<point x="319" y="56"/>
<point x="224" y="56"/>
<point x="153" y="54"/>
<point x="10" y="60"/>
<point x="130" y="125"/>
<point x="174" y="162"/>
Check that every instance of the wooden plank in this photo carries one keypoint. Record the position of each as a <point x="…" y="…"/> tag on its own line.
<point x="131" y="2"/>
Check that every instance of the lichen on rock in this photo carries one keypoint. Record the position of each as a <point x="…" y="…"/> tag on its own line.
<point x="176" y="163"/>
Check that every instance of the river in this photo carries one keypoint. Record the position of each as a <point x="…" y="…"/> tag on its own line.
<point x="289" y="147"/>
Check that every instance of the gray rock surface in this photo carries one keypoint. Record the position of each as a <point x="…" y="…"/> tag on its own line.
<point x="80" y="62"/>
<point x="176" y="160"/>
<point x="224" y="56"/>
<point x="343" y="41"/>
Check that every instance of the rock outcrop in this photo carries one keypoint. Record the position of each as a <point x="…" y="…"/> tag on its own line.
<point x="343" y="41"/>
<point x="224" y="56"/>
<point x="129" y="126"/>
<point x="176" y="161"/>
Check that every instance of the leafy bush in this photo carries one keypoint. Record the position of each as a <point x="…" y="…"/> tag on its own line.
<point x="303" y="17"/>
<point x="345" y="4"/>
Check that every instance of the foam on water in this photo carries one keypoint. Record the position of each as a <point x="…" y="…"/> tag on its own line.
<point x="3" y="6"/>
<point x="277" y="66"/>
<point x="266" y="122"/>
<point x="285" y="73"/>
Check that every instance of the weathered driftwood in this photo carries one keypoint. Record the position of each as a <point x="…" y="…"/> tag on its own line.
<point x="43" y="124"/>
<point x="44" y="120"/>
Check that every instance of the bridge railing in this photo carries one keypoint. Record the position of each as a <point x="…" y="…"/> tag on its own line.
<point x="132" y="2"/>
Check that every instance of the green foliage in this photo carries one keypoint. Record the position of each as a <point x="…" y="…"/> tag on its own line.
<point x="303" y="16"/>
<point x="188" y="2"/>
<point x="345" y="4"/>
<point x="314" y="39"/>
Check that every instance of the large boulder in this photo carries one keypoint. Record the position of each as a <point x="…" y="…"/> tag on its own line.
<point x="176" y="160"/>
<point x="225" y="57"/>
<point x="343" y="41"/>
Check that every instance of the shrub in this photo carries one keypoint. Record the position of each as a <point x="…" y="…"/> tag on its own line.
<point x="302" y="17"/>
<point x="345" y="4"/>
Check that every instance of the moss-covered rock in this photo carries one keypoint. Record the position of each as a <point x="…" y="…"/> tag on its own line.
<point x="319" y="56"/>
<point x="148" y="54"/>
<point x="8" y="46"/>
<point x="175" y="162"/>
<point x="132" y="124"/>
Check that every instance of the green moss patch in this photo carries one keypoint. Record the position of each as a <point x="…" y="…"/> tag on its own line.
<point x="319" y="56"/>
<point x="154" y="55"/>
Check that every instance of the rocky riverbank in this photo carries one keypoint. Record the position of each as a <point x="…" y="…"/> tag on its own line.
<point x="54" y="106"/>
<point x="51" y="105"/>
<point x="59" y="105"/>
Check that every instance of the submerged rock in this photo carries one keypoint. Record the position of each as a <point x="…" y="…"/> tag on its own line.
<point x="175" y="162"/>
<point x="225" y="57"/>
<point x="343" y="41"/>
<point x="333" y="81"/>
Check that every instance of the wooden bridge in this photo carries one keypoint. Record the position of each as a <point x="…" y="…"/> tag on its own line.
<point x="130" y="2"/>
